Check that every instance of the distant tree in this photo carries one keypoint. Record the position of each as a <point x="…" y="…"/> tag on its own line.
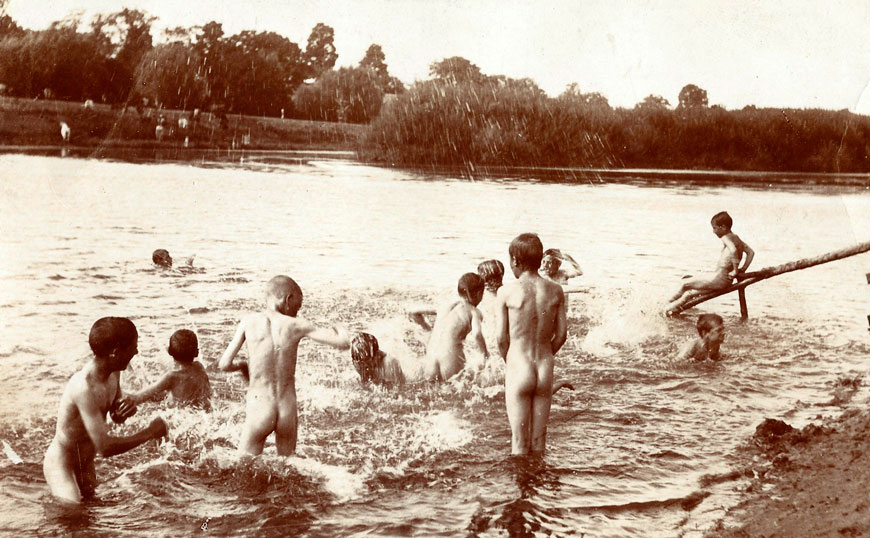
<point x="574" y="97"/>
<point x="264" y="71"/>
<point x="456" y="70"/>
<point x="374" y="59"/>
<point x="349" y="94"/>
<point x="653" y="102"/>
<point x="215" y="64"/>
<point x="320" y="54"/>
<point x="692" y="96"/>
<point x="167" y="75"/>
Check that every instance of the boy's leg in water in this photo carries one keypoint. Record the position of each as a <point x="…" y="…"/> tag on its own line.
<point x="519" y="393"/>
<point x="541" y="402"/>
<point x="261" y="416"/>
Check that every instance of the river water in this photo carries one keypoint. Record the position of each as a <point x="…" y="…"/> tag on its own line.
<point x="630" y="451"/>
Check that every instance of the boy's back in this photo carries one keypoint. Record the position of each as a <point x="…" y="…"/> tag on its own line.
<point x="191" y="384"/>
<point x="532" y="305"/>
<point x="273" y="340"/>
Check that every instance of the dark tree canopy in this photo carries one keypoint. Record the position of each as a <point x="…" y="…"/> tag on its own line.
<point x="653" y="102"/>
<point x="456" y="70"/>
<point x="692" y="96"/>
<point x="320" y="54"/>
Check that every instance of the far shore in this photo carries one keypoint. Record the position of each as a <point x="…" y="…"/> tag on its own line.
<point x="101" y="131"/>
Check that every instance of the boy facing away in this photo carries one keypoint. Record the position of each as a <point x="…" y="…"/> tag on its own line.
<point x="81" y="432"/>
<point x="727" y="269"/>
<point x="187" y="381"/>
<point x="532" y="327"/>
<point x="272" y="338"/>
<point x="711" y="334"/>
<point x="453" y="322"/>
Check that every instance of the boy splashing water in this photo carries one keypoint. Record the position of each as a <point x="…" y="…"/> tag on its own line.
<point x="92" y="392"/>
<point x="273" y="339"/>
<point x="532" y="327"/>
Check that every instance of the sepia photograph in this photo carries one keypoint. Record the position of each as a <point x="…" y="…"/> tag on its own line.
<point x="435" y="268"/>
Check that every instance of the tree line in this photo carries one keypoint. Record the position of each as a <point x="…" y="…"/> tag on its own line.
<point x="461" y="117"/>
<point x="113" y="59"/>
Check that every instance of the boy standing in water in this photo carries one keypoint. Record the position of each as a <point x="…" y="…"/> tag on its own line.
<point x="711" y="334"/>
<point x="532" y="327"/>
<point x="187" y="381"/>
<point x="453" y="322"/>
<point x="92" y="392"/>
<point x="728" y="268"/>
<point x="273" y="338"/>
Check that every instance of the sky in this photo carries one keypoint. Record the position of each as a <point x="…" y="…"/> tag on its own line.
<point x="782" y="53"/>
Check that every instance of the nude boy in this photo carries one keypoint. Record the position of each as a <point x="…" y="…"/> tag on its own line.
<point x="531" y="327"/>
<point x="92" y="392"/>
<point x="272" y="338"/>
<point x="453" y="322"/>
<point x="734" y="250"/>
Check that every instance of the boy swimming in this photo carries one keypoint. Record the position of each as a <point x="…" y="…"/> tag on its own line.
<point x="453" y="322"/>
<point x="187" y="381"/>
<point x="711" y="334"/>
<point x="272" y="338"/>
<point x="81" y="432"/>
<point x="531" y="318"/>
<point x="727" y="269"/>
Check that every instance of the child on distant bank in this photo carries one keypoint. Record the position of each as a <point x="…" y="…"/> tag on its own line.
<point x="733" y="251"/>
<point x="187" y="381"/>
<point x="711" y="334"/>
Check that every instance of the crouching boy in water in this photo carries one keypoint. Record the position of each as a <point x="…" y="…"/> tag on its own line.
<point x="92" y="392"/>
<point x="187" y="381"/>
<point x="374" y="365"/>
<point x="453" y="322"/>
<point x="711" y="334"/>
<point x="532" y="327"/>
<point x="273" y="338"/>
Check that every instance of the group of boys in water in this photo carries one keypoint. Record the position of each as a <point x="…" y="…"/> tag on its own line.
<point x="527" y="318"/>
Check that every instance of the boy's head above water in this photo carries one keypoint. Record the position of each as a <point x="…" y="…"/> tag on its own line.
<point x="721" y="223"/>
<point x="162" y="258"/>
<point x="183" y="345"/>
<point x="526" y="252"/>
<point x="492" y="273"/>
<point x="114" y="338"/>
<point x="471" y="288"/>
<point x="366" y="355"/>
<point x="284" y="294"/>
<point x="708" y="323"/>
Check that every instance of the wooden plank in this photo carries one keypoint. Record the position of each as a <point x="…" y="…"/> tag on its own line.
<point x="757" y="276"/>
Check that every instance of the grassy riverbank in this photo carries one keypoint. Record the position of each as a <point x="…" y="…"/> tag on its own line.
<point x="25" y="122"/>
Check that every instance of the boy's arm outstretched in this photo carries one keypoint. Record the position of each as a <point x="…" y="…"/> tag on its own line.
<point x="95" y="425"/>
<point x="156" y="391"/>
<point x="332" y="336"/>
<point x="226" y="363"/>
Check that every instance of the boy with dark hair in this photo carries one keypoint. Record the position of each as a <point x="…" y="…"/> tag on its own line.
<point x="187" y="381"/>
<point x="711" y="334"/>
<point x="372" y="364"/>
<point x="532" y="327"/>
<point x="559" y="266"/>
<point x="727" y="269"/>
<point x="272" y="338"/>
<point x="453" y="322"/>
<point x="94" y="391"/>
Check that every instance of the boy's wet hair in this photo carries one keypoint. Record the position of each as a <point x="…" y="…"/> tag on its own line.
<point x="161" y="257"/>
<point x="527" y="250"/>
<point x="365" y="354"/>
<point x="183" y="345"/>
<point x="111" y="333"/>
<point x="469" y="285"/>
<point x="708" y="322"/>
<point x="492" y="273"/>
<point x="722" y="218"/>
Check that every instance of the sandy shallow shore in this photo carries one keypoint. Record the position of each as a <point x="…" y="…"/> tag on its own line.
<point x="808" y="482"/>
